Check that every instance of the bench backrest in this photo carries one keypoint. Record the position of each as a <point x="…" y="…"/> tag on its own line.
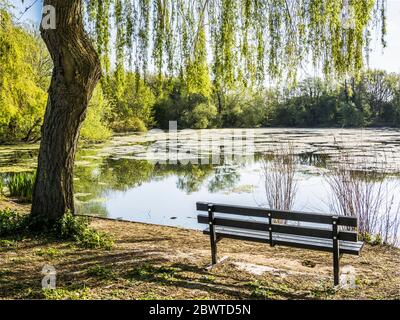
<point x="272" y="226"/>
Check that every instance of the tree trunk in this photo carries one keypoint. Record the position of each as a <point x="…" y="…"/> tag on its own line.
<point x="76" y="72"/>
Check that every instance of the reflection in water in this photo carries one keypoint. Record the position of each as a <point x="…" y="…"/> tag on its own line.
<point x="116" y="180"/>
<point x="313" y="159"/>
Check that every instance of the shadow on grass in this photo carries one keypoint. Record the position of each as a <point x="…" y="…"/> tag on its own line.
<point x="21" y="280"/>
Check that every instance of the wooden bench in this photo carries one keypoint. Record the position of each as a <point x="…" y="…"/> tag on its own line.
<point x="335" y="234"/>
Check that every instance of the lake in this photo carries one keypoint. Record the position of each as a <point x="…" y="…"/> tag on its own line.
<point x="130" y="177"/>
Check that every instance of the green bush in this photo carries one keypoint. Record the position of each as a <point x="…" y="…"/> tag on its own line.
<point x="132" y="124"/>
<point x="201" y="117"/>
<point x="77" y="229"/>
<point x="21" y="185"/>
<point x="69" y="228"/>
<point x="350" y="115"/>
<point x="12" y="223"/>
<point x="132" y="102"/>
<point x="92" y="239"/>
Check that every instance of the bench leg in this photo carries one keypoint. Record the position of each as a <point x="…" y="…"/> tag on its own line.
<point x="213" y="234"/>
<point x="336" y="268"/>
<point x="336" y="252"/>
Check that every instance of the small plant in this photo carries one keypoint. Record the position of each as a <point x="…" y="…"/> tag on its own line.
<point x="142" y="272"/>
<point x="258" y="291"/>
<point x="101" y="272"/>
<point x="207" y="278"/>
<point x="149" y="296"/>
<point x="77" y="229"/>
<point x="49" y="253"/>
<point x="69" y="228"/>
<point x="373" y="240"/>
<point x="21" y="185"/>
<point x="92" y="239"/>
<point x="66" y="294"/>
<point x="146" y="271"/>
<point x="12" y="223"/>
<point x="9" y="244"/>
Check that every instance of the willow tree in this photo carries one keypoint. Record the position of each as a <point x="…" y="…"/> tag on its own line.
<point x="246" y="40"/>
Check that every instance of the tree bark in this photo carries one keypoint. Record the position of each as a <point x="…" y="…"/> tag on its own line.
<point x="76" y="72"/>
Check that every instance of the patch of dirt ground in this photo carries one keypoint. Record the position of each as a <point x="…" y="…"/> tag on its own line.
<point x="157" y="262"/>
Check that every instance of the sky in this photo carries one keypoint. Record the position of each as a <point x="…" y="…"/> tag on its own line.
<point x="387" y="59"/>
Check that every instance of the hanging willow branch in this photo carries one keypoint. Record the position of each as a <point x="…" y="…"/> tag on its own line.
<point x="243" y="39"/>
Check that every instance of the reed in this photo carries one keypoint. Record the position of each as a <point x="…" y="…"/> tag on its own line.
<point x="367" y="195"/>
<point x="20" y="185"/>
<point x="279" y="171"/>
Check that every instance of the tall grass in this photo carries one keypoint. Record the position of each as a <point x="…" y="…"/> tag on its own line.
<point x="21" y="185"/>
<point x="279" y="171"/>
<point x="366" y="195"/>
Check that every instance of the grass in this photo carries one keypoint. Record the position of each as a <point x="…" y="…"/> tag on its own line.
<point x="67" y="294"/>
<point x="147" y="271"/>
<point x="264" y="290"/>
<point x="5" y="272"/>
<point x="12" y="223"/>
<point x="49" y="253"/>
<point x="20" y="185"/>
<point x="155" y="262"/>
<point x="149" y="296"/>
<point x="101" y="272"/>
<point x="8" y="244"/>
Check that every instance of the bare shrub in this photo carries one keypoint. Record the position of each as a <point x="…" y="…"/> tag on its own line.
<point x="365" y="194"/>
<point x="279" y="170"/>
<point x="389" y="229"/>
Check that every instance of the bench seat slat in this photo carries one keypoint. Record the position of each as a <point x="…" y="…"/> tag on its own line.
<point x="353" y="248"/>
<point x="280" y="228"/>
<point x="277" y="214"/>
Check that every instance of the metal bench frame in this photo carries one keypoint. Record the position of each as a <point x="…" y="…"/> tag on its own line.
<point x="334" y="240"/>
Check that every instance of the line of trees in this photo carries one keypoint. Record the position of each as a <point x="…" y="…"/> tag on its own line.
<point x="126" y="101"/>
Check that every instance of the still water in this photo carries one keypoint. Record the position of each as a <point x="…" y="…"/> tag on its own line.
<point x="118" y="179"/>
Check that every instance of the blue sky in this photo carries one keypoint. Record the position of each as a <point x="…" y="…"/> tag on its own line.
<point x="387" y="59"/>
